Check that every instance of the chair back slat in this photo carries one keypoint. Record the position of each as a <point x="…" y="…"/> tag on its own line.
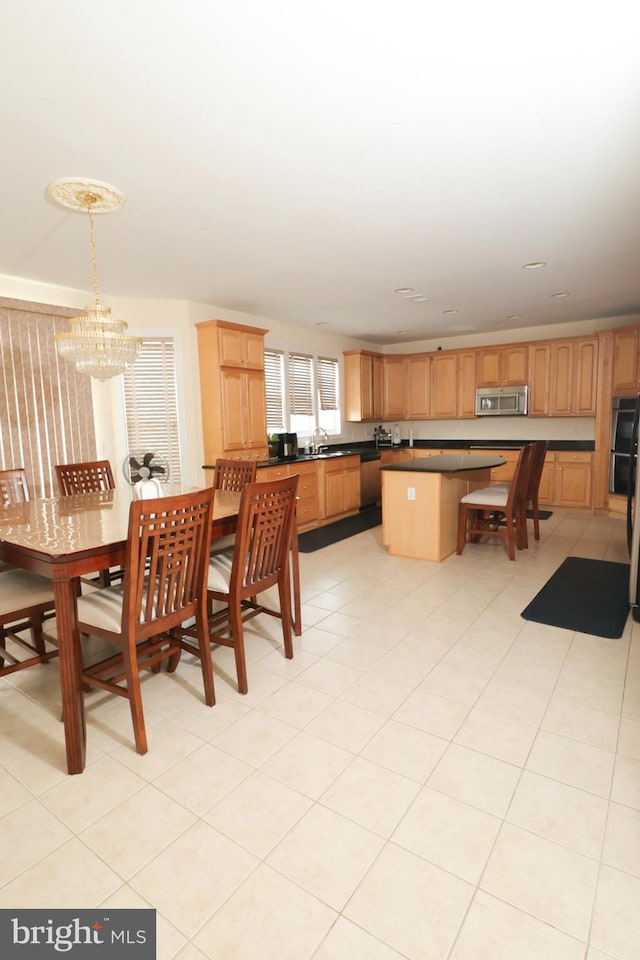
<point x="13" y="487"/>
<point x="536" y="465"/>
<point x="519" y="486"/>
<point x="233" y="474"/>
<point x="90" y="477"/>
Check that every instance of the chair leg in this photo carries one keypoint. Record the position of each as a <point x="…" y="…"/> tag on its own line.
<point x="511" y="529"/>
<point x="135" y="700"/>
<point x="237" y="635"/>
<point x="285" y="611"/>
<point x="536" y="517"/>
<point x="462" y="528"/>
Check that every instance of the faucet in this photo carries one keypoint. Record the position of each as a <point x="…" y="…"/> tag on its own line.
<point x="317" y="447"/>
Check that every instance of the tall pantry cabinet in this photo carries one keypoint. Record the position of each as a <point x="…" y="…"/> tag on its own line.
<point x="232" y="390"/>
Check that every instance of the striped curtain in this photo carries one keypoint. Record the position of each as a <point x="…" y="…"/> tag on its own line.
<point x="46" y="407"/>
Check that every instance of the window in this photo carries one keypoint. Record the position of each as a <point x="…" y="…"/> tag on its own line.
<point x="308" y="397"/>
<point x="151" y="404"/>
<point x="47" y="406"/>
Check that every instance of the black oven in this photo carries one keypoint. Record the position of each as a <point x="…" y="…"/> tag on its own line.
<point x="621" y="445"/>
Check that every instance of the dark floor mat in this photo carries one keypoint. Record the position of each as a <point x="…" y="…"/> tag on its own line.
<point x="589" y="596"/>
<point x="340" y="530"/>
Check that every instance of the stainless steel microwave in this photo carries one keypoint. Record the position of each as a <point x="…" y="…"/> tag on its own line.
<point x="502" y="401"/>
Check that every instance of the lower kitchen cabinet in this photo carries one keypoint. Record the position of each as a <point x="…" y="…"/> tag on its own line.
<point x="340" y="488"/>
<point x="308" y="505"/>
<point x="566" y="479"/>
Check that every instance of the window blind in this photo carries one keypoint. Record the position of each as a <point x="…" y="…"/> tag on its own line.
<point x="301" y="384"/>
<point x="151" y="403"/>
<point x="274" y="389"/>
<point x="328" y="383"/>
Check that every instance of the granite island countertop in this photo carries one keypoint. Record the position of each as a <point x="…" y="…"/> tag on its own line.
<point x="447" y="463"/>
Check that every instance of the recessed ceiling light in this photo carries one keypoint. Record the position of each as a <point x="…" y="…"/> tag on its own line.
<point x="515" y="316"/>
<point x="534" y="265"/>
<point x="416" y="297"/>
<point x="449" y="311"/>
<point x="322" y="323"/>
<point x="401" y="333"/>
<point x="559" y="296"/>
<point x="403" y="290"/>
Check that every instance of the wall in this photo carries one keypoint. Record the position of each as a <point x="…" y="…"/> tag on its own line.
<point x="177" y="318"/>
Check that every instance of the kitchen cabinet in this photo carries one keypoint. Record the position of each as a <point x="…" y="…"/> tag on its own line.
<point x="563" y="377"/>
<point x="539" y="379"/>
<point x="394" y="381"/>
<point x="444" y="385"/>
<point x="566" y="479"/>
<point x="573" y="377"/>
<point x="340" y="492"/>
<point x="363" y="371"/>
<point x="232" y="391"/>
<point x="308" y="503"/>
<point x="625" y="361"/>
<point x="502" y="366"/>
<point x="418" y="390"/>
<point x="466" y="384"/>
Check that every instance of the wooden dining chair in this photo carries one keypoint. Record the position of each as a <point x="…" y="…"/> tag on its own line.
<point x="92" y="476"/>
<point x="260" y="560"/>
<point x="25" y="598"/>
<point x="497" y="511"/>
<point x="231" y="475"/>
<point x="536" y="467"/>
<point x="165" y="584"/>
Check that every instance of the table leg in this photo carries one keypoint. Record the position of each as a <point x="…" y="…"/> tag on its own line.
<point x="70" y="661"/>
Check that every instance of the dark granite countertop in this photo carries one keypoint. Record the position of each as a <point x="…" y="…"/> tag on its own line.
<point x="448" y="463"/>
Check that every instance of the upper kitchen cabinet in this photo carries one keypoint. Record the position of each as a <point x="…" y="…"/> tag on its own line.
<point x="502" y="366"/>
<point x="466" y="384"/>
<point x="232" y="390"/>
<point x="626" y="361"/>
<point x="394" y="383"/>
<point x="362" y="385"/>
<point x="240" y="346"/>
<point x="573" y="380"/>
<point x="539" y="379"/>
<point x="444" y="385"/>
<point x="418" y="390"/>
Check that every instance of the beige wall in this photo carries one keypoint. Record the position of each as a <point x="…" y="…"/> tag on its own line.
<point x="177" y="318"/>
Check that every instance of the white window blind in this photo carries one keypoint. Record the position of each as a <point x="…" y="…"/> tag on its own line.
<point x="328" y="383"/>
<point x="300" y="384"/>
<point x="151" y="403"/>
<point x="47" y="407"/>
<point x="274" y="389"/>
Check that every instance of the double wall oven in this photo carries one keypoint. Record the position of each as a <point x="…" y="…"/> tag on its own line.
<point x="622" y="456"/>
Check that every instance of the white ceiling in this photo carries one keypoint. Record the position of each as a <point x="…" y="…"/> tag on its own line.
<point x="301" y="161"/>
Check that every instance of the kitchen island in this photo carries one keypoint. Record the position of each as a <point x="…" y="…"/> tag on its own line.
<point x="420" y="501"/>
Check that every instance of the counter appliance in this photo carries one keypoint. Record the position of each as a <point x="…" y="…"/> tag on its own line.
<point x="622" y="456"/>
<point x="287" y="446"/>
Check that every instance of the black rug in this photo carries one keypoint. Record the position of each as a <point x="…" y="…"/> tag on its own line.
<point x="340" y="530"/>
<point x="542" y="514"/>
<point x="590" y="596"/>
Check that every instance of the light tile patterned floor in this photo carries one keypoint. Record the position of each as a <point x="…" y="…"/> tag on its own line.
<point x="431" y="778"/>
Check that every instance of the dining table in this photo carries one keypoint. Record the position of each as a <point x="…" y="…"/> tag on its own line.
<point x="66" y="538"/>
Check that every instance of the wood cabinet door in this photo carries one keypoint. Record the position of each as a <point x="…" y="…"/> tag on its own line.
<point x="239" y="348"/>
<point x="539" y="377"/>
<point x="444" y="385"/>
<point x="233" y="403"/>
<point x="255" y="409"/>
<point x="488" y="368"/>
<point x="352" y="488"/>
<point x="585" y="376"/>
<point x="378" y="387"/>
<point x="394" y="387"/>
<point x="545" y="490"/>
<point x="572" y="480"/>
<point x="418" y="387"/>
<point x="514" y="365"/>
<point x="561" y="379"/>
<point x="625" y="360"/>
<point x="467" y="384"/>
<point x="334" y="493"/>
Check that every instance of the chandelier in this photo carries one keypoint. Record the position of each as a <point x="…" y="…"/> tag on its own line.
<point x="96" y="343"/>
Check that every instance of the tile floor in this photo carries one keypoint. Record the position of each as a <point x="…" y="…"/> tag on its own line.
<point x="431" y="777"/>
